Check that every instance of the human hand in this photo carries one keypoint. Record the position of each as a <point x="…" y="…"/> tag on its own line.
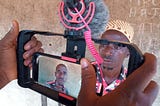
<point x="30" y="48"/>
<point x="8" y="62"/>
<point x="136" y="90"/>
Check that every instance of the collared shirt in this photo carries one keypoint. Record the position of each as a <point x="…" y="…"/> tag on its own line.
<point x="52" y="85"/>
<point x="102" y="88"/>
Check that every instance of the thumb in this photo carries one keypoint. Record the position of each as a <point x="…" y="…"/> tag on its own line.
<point x="13" y="32"/>
<point x="88" y="86"/>
<point x="88" y="77"/>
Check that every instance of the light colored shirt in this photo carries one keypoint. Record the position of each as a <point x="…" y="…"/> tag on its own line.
<point x="14" y="95"/>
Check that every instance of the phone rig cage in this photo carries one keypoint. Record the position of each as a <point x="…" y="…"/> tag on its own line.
<point x="136" y="57"/>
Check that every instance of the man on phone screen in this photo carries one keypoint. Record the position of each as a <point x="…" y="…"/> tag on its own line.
<point x="60" y="79"/>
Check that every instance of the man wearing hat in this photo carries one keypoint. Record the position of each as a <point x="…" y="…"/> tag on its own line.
<point x="113" y="72"/>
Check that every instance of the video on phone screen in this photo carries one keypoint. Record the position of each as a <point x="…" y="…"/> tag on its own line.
<point x="59" y="75"/>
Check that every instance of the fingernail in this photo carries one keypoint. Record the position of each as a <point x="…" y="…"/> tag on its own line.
<point x="26" y="55"/>
<point x="12" y="27"/>
<point x="27" y="47"/>
<point x="84" y="63"/>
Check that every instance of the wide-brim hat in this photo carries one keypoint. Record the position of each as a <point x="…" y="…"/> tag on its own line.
<point x="122" y="27"/>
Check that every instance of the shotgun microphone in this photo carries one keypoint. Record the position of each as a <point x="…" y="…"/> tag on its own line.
<point x="94" y="12"/>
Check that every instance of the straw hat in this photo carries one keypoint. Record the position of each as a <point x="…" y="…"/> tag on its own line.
<point x="122" y="27"/>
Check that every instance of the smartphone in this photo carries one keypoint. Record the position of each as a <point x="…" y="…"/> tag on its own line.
<point x="56" y="78"/>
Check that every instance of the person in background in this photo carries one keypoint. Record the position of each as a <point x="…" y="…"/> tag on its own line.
<point x="113" y="55"/>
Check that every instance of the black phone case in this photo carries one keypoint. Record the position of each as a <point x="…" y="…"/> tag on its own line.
<point x="23" y="71"/>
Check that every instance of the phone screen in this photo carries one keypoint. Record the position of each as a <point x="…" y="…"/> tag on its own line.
<point x="59" y="75"/>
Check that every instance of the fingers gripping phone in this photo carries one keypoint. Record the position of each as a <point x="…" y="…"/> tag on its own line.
<point x="57" y="77"/>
